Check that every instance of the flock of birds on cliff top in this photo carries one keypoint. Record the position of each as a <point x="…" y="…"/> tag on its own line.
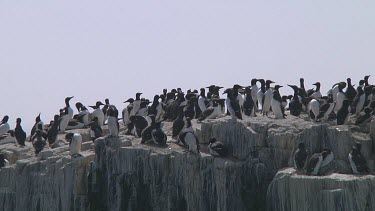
<point x="142" y="118"/>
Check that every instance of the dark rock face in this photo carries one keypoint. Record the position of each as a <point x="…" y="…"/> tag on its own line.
<point x="140" y="179"/>
<point x="292" y="192"/>
<point x="52" y="184"/>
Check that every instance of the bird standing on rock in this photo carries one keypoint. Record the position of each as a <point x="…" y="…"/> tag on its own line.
<point x="75" y="143"/>
<point x="217" y="148"/>
<point x="248" y="104"/>
<point x="357" y="161"/>
<point x="343" y="113"/>
<point x="38" y="141"/>
<point x="38" y="125"/>
<point x="19" y="133"/>
<point x="232" y="104"/>
<point x="113" y="125"/>
<point x="4" y="125"/>
<point x="315" y="162"/>
<point x="300" y="156"/>
<point x="137" y="102"/>
<point x="188" y="138"/>
<point x="295" y="105"/>
<point x="261" y="92"/>
<point x="254" y="91"/>
<point x="276" y="104"/>
<point x="98" y="112"/>
<point x="267" y="98"/>
<point x="67" y="116"/>
<point x="127" y="112"/>
<point x="95" y="130"/>
<point x="53" y="130"/>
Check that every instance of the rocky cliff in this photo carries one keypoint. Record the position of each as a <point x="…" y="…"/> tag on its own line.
<point x="127" y="175"/>
<point x="291" y="191"/>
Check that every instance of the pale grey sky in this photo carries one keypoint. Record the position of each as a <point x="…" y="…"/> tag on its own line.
<point x="98" y="49"/>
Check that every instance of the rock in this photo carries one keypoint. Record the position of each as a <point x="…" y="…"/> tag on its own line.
<point x="289" y="191"/>
<point x="128" y="175"/>
<point x="44" y="154"/>
<point x="87" y="146"/>
<point x="140" y="178"/>
<point x="372" y="129"/>
<point x="45" y="185"/>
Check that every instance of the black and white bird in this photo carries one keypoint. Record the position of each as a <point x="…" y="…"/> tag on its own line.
<point x="359" y="101"/>
<point x="211" y="112"/>
<point x="95" y="130"/>
<point x="340" y="97"/>
<point x="370" y="95"/>
<point x="284" y="100"/>
<point x="67" y="115"/>
<point x="237" y="95"/>
<point x="232" y="104"/>
<point x="316" y="94"/>
<point x="350" y="92"/>
<point x="37" y="125"/>
<point x="343" y="113"/>
<point x="217" y="148"/>
<point x="172" y="108"/>
<point x="76" y="123"/>
<point x="53" y="130"/>
<point x="254" y="91"/>
<point x="137" y="102"/>
<point x="276" y="103"/>
<point x="113" y="124"/>
<point x="313" y="109"/>
<point x="189" y="110"/>
<point x="83" y="114"/>
<point x="295" y="105"/>
<point x="98" y="112"/>
<point x="364" y="117"/>
<point x="158" y="135"/>
<point x="105" y="109"/>
<point x="4" y="125"/>
<point x="203" y="102"/>
<point x="146" y="132"/>
<point x="143" y="108"/>
<point x="75" y="143"/>
<point x="188" y="138"/>
<point x="365" y="79"/>
<point x="249" y="106"/>
<point x="357" y="161"/>
<point x="178" y="123"/>
<point x="128" y="111"/>
<point x="302" y="91"/>
<point x="328" y="157"/>
<point x="140" y="123"/>
<point x="19" y="133"/>
<point x="326" y="107"/>
<point x="38" y="141"/>
<point x="156" y="108"/>
<point x="261" y="92"/>
<point x="267" y="98"/>
<point x="315" y="163"/>
<point x="300" y="156"/>
<point x="213" y="90"/>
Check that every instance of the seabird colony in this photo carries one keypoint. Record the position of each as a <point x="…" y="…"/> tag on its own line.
<point x="143" y="118"/>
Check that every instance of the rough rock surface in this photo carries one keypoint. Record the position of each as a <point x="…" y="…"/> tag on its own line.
<point x="133" y="176"/>
<point x="292" y="192"/>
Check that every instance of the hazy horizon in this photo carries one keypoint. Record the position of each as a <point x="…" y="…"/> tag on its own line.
<point x="94" y="50"/>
